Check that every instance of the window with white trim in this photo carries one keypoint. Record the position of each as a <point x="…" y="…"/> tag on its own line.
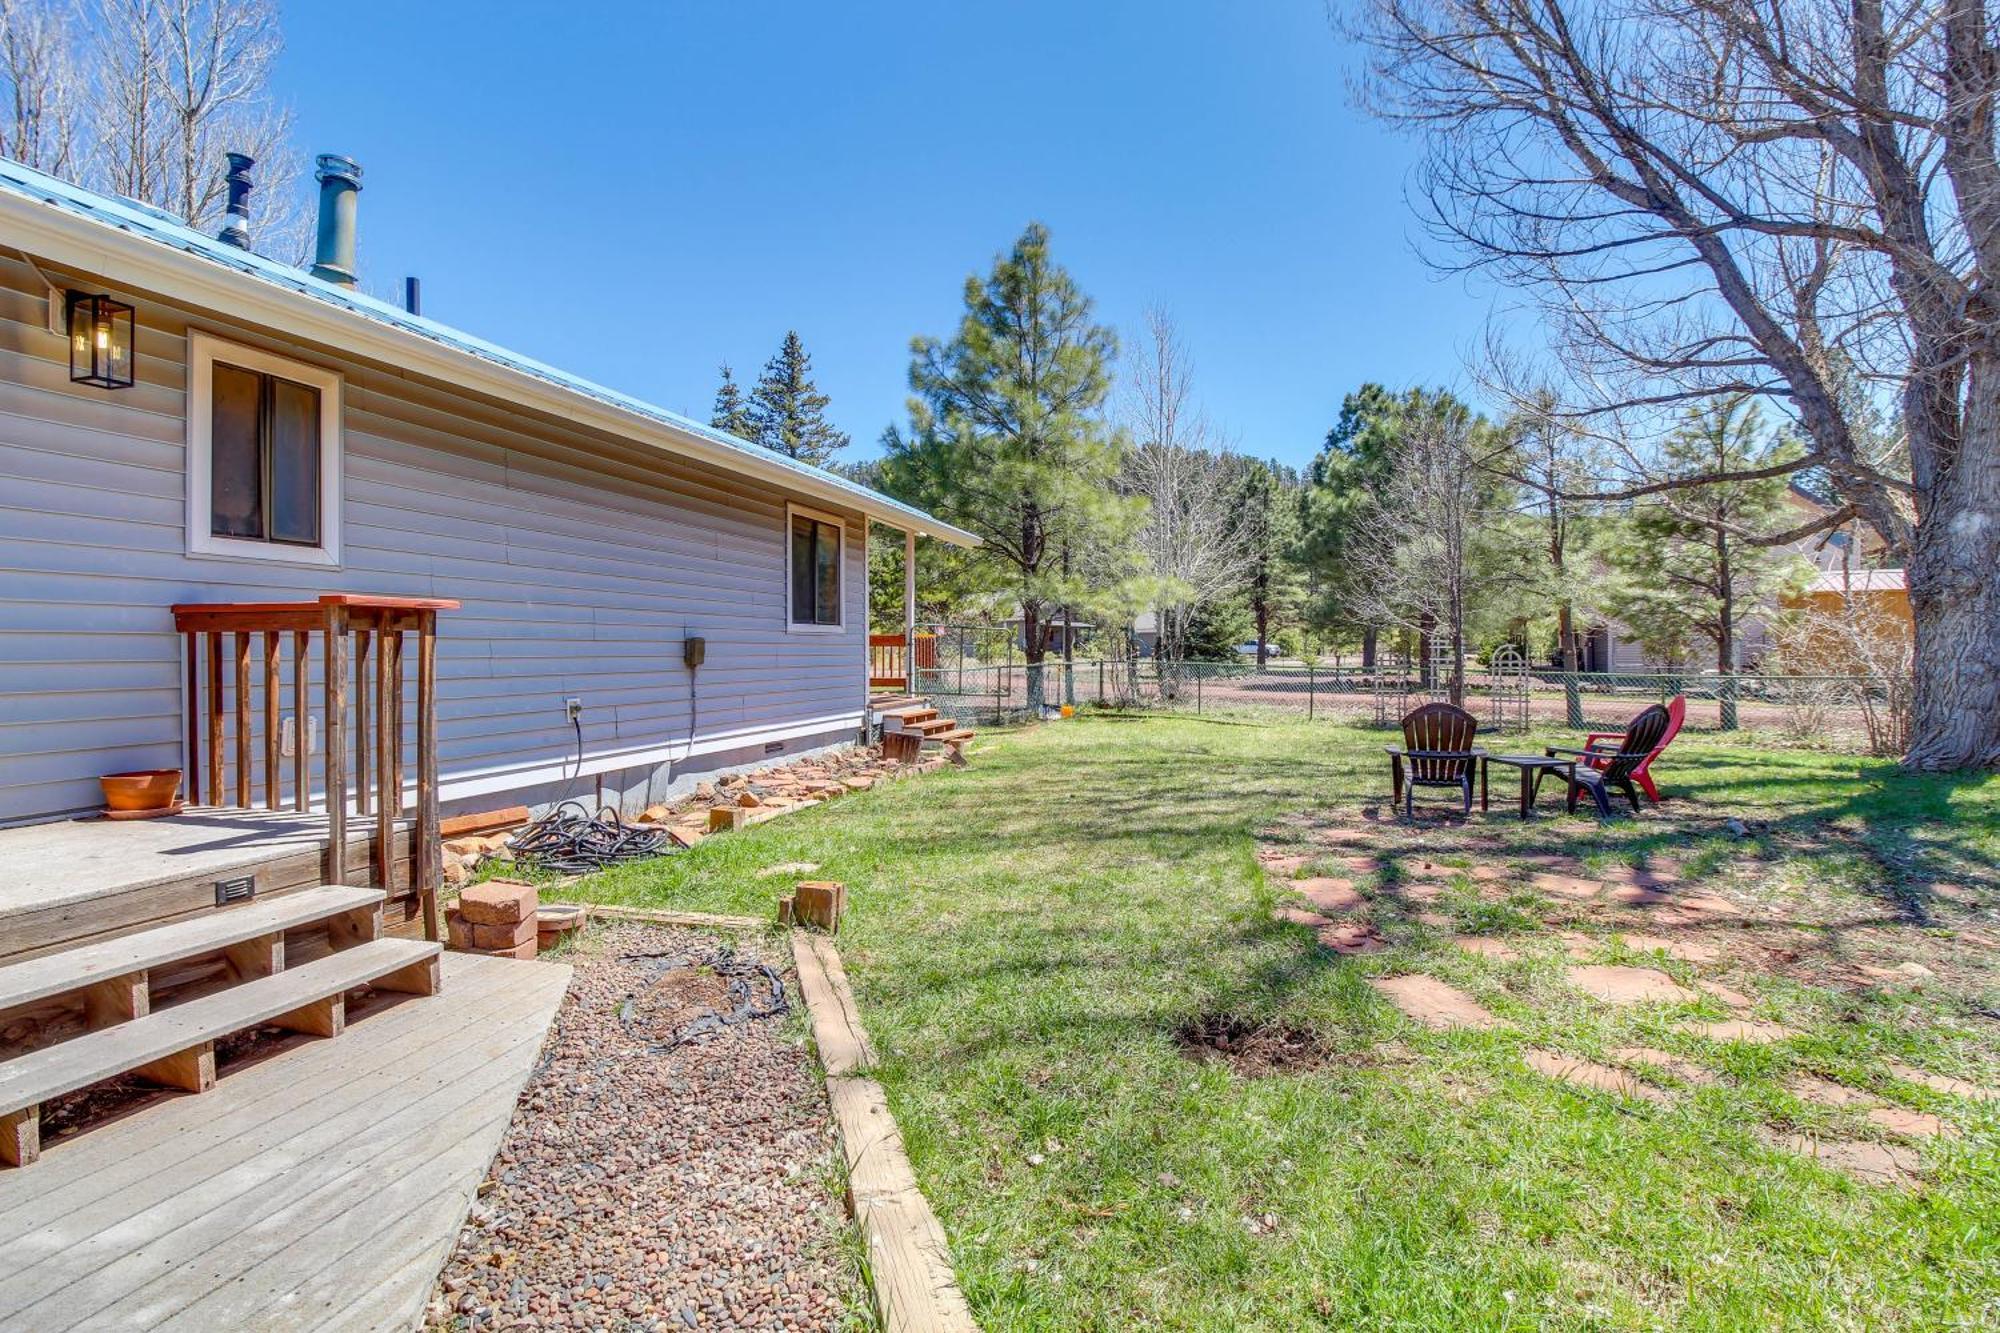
<point x="264" y="446"/>
<point x="813" y="570"/>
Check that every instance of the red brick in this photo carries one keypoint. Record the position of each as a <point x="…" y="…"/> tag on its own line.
<point x="499" y="902"/>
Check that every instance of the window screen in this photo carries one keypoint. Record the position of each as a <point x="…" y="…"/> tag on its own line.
<point x="815" y="571"/>
<point x="264" y="458"/>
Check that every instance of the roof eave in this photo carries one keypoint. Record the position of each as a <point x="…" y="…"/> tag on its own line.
<point x="97" y="248"/>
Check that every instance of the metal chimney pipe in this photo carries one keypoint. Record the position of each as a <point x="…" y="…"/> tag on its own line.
<point x="339" y="181"/>
<point x="413" y="295"/>
<point x="236" y="214"/>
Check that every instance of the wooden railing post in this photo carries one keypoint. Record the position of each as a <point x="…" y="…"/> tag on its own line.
<point x="193" y="717"/>
<point x="241" y="643"/>
<point x="363" y="801"/>
<point x="301" y="719"/>
<point x="428" y="859"/>
<point x="385" y="761"/>
<point x="215" y="791"/>
<point x="274" y="781"/>
<point x="336" y="741"/>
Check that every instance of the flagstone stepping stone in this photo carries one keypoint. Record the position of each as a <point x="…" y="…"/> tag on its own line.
<point x="1282" y="864"/>
<point x="1869" y="1163"/>
<point x="1902" y="974"/>
<point x="1435" y="870"/>
<point x="1646" y="877"/>
<point x="1916" y="1124"/>
<point x="1825" y="1092"/>
<point x="1351" y="937"/>
<point x="1628" y="985"/>
<point x="1943" y="1082"/>
<point x="1735" y="999"/>
<point x="1331" y="896"/>
<point x="1420" y="892"/>
<point x="1682" y="1068"/>
<point x="1432" y="1003"/>
<point x="1488" y="947"/>
<point x="1366" y="865"/>
<point x="1585" y="1074"/>
<point x="1739" y="1029"/>
<point x="1565" y="886"/>
<point x="1299" y="916"/>
<point x="1579" y="946"/>
<point x="1436" y="920"/>
<point x="1635" y="895"/>
<point x="1687" y="951"/>
<point x="1698" y="908"/>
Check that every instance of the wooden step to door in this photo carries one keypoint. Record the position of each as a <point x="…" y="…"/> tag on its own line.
<point x="177" y="1046"/>
<point x="936" y="725"/>
<point x="908" y="717"/>
<point x="113" y="975"/>
<point x="957" y="736"/>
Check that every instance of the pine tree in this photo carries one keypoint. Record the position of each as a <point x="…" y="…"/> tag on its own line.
<point x="1268" y="499"/>
<point x="1007" y="435"/>
<point x="730" y="413"/>
<point x="788" y="412"/>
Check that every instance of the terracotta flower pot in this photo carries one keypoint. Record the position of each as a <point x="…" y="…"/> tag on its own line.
<point x="148" y="789"/>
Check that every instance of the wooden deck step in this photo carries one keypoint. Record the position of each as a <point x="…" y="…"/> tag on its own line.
<point x="910" y="717"/>
<point x="211" y="932"/>
<point x="935" y="725"/>
<point x="956" y="737"/>
<point x="177" y="1046"/>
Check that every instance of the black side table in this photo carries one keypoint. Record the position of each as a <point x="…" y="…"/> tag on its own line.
<point x="1532" y="766"/>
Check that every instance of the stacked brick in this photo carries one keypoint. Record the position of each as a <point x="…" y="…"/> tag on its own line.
<point x="496" y="918"/>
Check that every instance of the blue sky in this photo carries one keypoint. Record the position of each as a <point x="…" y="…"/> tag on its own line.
<point x="640" y="194"/>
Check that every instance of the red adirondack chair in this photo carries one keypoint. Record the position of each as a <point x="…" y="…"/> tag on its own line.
<point x="1600" y="746"/>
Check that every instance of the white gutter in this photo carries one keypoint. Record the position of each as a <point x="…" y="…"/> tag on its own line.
<point x="110" y="252"/>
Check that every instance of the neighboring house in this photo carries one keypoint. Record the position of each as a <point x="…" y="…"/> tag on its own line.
<point x="286" y="436"/>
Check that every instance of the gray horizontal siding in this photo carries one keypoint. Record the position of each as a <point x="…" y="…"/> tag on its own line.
<point x="581" y="562"/>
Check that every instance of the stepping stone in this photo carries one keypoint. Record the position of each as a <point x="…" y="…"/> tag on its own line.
<point x="1958" y="1087"/>
<point x="1587" y="1075"/>
<point x="1697" y="908"/>
<point x="1419" y="892"/>
<point x="1654" y="876"/>
<point x="1488" y="947"/>
<point x="1331" y="896"/>
<point x="1565" y="886"/>
<point x="1432" y="1003"/>
<point x="1629" y="985"/>
<point x="1869" y="1163"/>
<point x="1634" y="895"/>
<point x="1351" y="937"/>
<point x="1903" y="974"/>
<point x="1916" y="1124"/>
<point x="1433" y="870"/>
<point x="1735" y="999"/>
<point x="1739" y="1029"/>
<point x="1578" y="946"/>
<point x="1366" y="865"/>
<point x="1825" y="1092"/>
<point x="1299" y="916"/>
<point x="1688" y="951"/>
<point x="1682" y="1068"/>
<point x="1282" y="864"/>
<point x="1436" y="920"/>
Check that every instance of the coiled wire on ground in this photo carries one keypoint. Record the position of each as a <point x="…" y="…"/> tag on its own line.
<point x="754" y="986"/>
<point x="568" y="841"/>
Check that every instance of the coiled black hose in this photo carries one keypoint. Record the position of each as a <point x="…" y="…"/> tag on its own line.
<point x="569" y="841"/>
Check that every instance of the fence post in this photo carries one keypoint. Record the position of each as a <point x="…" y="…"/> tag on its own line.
<point x="1726" y="694"/>
<point x="1100" y="682"/>
<point x="1311" y="690"/>
<point x="1197" y="691"/>
<point x="1572" y="701"/>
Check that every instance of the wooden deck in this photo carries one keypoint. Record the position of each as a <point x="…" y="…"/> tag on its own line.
<point x="320" y="1187"/>
<point x="78" y="880"/>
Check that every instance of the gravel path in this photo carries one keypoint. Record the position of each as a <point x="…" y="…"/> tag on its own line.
<point x="643" y="1186"/>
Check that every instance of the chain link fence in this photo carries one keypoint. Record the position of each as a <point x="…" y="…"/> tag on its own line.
<point x="1865" y="712"/>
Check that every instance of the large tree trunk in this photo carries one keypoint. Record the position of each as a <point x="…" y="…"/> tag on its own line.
<point x="1954" y="582"/>
<point x="1034" y="651"/>
<point x="1368" y="636"/>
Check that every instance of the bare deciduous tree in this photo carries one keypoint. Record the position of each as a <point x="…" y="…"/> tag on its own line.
<point x="1192" y="544"/>
<point x="169" y="87"/>
<point x="1753" y="197"/>
<point x="39" y="80"/>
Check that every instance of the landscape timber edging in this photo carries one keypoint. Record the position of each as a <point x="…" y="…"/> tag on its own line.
<point x="909" y="1261"/>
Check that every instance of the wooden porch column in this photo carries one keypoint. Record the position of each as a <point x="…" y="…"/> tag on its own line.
<point x="336" y="741"/>
<point x="909" y="611"/>
<point x="387" y="742"/>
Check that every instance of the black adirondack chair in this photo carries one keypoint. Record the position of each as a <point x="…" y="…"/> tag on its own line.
<point x="1615" y="769"/>
<point x="1437" y="751"/>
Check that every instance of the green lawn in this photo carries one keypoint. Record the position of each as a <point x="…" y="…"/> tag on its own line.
<point x="1028" y="935"/>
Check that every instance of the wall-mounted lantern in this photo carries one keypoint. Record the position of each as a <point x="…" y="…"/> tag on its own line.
<point x="100" y="341"/>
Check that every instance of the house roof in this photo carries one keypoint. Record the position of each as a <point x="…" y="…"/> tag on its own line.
<point x="125" y="242"/>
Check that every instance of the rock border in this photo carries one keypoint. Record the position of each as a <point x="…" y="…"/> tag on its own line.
<point x="909" y="1263"/>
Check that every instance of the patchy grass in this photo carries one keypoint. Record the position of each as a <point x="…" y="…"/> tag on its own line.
<point x="1031" y="939"/>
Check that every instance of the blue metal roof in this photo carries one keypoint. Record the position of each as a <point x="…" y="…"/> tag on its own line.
<point x="156" y="225"/>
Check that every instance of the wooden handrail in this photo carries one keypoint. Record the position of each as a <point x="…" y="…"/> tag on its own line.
<point x="368" y="626"/>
